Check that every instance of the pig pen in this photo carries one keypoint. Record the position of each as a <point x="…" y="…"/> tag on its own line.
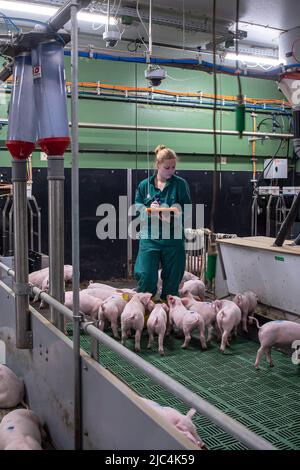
<point x="265" y="403"/>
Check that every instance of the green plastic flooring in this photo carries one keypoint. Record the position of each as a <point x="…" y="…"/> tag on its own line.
<point x="266" y="401"/>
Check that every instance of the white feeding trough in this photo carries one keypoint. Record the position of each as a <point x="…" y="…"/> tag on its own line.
<point x="273" y="273"/>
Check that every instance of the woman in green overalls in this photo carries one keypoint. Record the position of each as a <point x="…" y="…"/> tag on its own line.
<point x="161" y="236"/>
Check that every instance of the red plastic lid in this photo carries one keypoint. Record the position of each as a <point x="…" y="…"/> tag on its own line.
<point x="20" y="149"/>
<point x="54" y="145"/>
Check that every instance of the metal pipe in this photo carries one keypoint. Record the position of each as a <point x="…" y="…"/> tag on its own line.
<point x="150" y="28"/>
<point x="63" y="15"/>
<point x="10" y="231"/>
<point x="268" y="216"/>
<point x="226" y="423"/>
<point x="38" y="214"/>
<point x="56" y="234"/>
<point x="31" y="224"/>
<point x="21" y="287"/>
<point x="75" y="231"/>
<point x="43" y="295"/>
<point x="4" y="231"/>
<point x="288" y="222"/>
<point x="187" y="130"/>
<point x="129" y="239"/>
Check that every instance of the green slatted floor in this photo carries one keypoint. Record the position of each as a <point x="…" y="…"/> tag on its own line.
<point x="266" y="401"/>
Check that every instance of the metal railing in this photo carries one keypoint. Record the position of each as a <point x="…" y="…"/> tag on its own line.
<point x="229" y="425"/>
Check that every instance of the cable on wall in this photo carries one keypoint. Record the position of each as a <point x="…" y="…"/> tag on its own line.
<point x="240" y="107"/>
<point x="215" y="173"/>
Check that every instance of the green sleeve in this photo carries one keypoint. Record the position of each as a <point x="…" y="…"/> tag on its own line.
<point x="138" y="196"/>
<point x="139" y="203"/>
<point x="184" y="193"/>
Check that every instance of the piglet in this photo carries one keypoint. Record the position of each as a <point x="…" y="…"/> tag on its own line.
<point x="192" y="320"/>
<point x="99" y="285"/>
<point x="36" y="277"/>
<point x="11" y="388"/>
<point x="228" y="318"/>
<point x="277" y="332"/>
<point x="157" y="323"/>
<point x="100" y="292"/>
<point x="196" y="287"/>
<point x="88" y="304"/>
<point x="183" y="423"/>
<point x="40" y="279"/>
<point x="185" y="320"/>
<point x="187" y="276"/>
<point x="111" y="310"/>
<point x="21" y="430"/>
<point x="247" y="303"/>
<point x="133" y="317"/>
<point x="207" y="310"/>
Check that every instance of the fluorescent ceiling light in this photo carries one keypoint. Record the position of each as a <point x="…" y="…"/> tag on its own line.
<point x="92" y="18"/>
<point x="28" y="8"/>
<point x="252" y="58"/>
<point x="22" y="7"/>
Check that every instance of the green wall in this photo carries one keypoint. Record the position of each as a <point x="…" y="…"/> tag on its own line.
<point x="238" y="151"/>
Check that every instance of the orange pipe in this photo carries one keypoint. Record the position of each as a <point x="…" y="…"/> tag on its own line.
<point x="105" y="86"/>
<point x="125" y="89"/>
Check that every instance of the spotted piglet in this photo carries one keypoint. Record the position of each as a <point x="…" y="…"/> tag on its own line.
<point x="21" y="430"/>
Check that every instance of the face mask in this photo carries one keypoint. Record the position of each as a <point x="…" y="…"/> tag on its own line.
<point x="167" y="169"/>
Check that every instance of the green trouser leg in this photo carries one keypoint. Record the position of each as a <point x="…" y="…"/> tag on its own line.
<point x="147" y="265"/>
<point x="173" y="265"/>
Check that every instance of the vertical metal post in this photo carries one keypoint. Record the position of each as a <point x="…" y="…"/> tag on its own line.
<point x="268" y="216"/>
<point x="129" y="240"/>
<point x="31" y="223"/>
<point x="56" y="235"/>
<point x="288" y="222"/>
<point x="4" y="231"/>
<point x="75" y="230"/>
<point x="21" y="287"/>
<point x="11" y="231"/>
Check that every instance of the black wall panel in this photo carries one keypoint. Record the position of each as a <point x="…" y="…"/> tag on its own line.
<point x="106" y="259"/>
<point x="99" y="259"/>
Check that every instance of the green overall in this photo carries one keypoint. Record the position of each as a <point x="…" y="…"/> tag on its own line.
<point x="156" y="246"/>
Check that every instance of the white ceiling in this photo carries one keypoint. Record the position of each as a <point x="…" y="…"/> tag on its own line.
<point x="262" y="20"/>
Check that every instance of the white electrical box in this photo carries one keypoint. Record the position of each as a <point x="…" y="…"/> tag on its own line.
<point x="278" y="169"/>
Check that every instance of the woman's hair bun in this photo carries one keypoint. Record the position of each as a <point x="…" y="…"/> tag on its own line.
<point x="159" y="148"/>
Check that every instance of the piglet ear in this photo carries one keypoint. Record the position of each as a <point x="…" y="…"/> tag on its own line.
<point x="145" y="298"/>
<point x="185" y="300"/>
<point x="191" y="413"/>
<point x="181" y="285"/>
<point x="165" y="307"/>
